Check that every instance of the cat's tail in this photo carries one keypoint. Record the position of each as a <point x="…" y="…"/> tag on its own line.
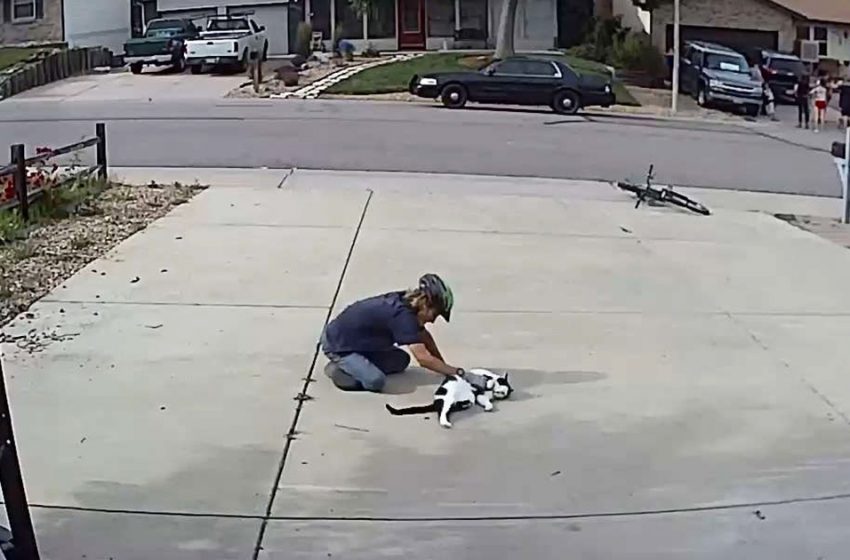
<point x="412" y="409"/>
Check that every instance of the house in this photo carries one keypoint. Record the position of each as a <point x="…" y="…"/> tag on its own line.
<point x="742" y="24"/>
<point x="436" y="24"/>
<point x="79" y="23"/>
<point x="36" y="21"/>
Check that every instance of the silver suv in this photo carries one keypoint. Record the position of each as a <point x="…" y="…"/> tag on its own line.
<point x="719" y="76"/>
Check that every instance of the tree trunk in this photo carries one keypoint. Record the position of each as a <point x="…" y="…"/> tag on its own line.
<point x="507" y="26"/>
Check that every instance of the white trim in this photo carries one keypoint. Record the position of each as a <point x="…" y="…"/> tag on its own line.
<point x="29" y="19"/>
<point x="457" y="15"/>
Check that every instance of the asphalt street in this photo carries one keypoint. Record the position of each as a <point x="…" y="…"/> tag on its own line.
<point x="371" y="136"/>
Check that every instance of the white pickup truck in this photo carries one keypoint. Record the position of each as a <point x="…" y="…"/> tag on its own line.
<point x="227" y="40"/>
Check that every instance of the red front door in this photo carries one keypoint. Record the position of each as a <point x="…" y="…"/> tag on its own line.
<point x="411" y="24"/>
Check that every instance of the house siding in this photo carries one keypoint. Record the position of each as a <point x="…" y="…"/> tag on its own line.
<point x="43" y="30"/>
<point x="735" y="14"/>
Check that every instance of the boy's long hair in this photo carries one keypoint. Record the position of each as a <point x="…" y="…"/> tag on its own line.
<point x="416" y="299"/>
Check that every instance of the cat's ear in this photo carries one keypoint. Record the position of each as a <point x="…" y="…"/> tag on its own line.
<point x="506" y="376"/>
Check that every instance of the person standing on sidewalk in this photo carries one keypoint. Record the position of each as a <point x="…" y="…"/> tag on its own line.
<point x="362" y="341"/>
<point x="821" y="97"/>
<point x="802" y="91"/>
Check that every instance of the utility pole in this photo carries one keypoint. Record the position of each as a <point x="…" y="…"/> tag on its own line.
<point x="676" y="36"/>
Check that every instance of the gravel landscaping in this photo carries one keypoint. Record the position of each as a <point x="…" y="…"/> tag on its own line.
<point x="54" y="249"/>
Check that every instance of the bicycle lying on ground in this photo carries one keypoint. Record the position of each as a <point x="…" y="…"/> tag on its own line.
<point x="662" y="194"/>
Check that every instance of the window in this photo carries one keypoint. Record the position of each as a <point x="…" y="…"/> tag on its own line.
<point x="514" y="67"/>
<point x="23" y="10"/>
<point x="321" y="18"/>
<point x="381" y="22"/>
<point x="538" y="68"/>
<point x="349" y="24"/>
<point x="228" y="25"/>
<point x="473" y="14"/>
<point x="726" y="63"/>
<point x="803" y="33"/>
<point x="441" y="18"/>
<point x="821" y="36"/>
<point x="787" y="65"/>
<point x="696" y="58"/>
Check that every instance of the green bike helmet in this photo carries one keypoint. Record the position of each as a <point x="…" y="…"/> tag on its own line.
<point x="438" y="293"/>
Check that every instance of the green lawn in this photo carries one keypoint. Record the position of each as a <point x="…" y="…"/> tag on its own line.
<point x="394" y="77"/>
<point x="13" y="55"/>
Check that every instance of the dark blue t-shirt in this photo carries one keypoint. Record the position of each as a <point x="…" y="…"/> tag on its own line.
<point x="373" y="324"/>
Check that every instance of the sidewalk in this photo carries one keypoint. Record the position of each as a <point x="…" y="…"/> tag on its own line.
<point x="680" y="385"/>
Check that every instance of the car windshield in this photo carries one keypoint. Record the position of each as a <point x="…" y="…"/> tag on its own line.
<point x="727" y="63"/>
<point x="788" y="65"/>
<point x="227" y="25"/>
<point x="163" y="33"/>
<point x="164" y="28"/>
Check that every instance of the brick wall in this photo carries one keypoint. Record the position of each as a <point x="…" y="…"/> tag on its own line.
<point x="46" y="29"/>
<point x="740" y="14"/>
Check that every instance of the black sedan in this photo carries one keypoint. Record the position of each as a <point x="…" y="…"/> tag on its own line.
<point x="518" y="80"/>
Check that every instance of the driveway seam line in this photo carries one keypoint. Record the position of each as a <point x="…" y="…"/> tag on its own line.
<point x="306" y="386"/>
<point x="182" y="304"/>
<point x="438" y="519"/>
<point x="809" y="385"/>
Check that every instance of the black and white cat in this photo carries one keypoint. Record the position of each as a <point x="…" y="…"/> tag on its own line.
<point x="457" y="393"/>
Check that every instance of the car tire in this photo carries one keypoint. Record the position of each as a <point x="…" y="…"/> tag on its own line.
<point x="566" y="102"/>
<point x="243" y="64"/>
<point x="752" y="110"/>
<point x="196" y="69"/>
<point x="265" y="52"/>
<point x="454" y="96"/>
<point x="136" y="68"/>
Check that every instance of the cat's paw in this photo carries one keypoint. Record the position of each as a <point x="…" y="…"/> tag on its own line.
<point x="446" y="425"/>
<point x="488" y="407"/>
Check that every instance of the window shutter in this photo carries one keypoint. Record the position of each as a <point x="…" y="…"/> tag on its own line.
<point x="39" y="9"/>
<point x="7" y="10"/>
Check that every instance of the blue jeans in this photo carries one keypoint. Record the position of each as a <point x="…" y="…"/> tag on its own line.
<point x="368" y="371"/>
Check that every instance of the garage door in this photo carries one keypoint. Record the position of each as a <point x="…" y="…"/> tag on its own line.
<point x="275" y="18"/>
<point x="738" y="39"/>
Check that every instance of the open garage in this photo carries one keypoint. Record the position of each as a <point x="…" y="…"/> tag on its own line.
<point x="273" y="14"/>
<point x="740" y="39"/>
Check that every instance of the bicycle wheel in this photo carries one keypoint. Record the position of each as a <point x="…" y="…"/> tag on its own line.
<point x="681" y="200"/>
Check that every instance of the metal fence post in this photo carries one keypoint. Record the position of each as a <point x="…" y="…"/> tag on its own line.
<point x="20" y="179"/>
<point x="12" y="483"/>
<point x="100" y="130"/>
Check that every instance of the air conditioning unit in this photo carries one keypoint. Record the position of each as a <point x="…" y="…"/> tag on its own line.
<point x="809" y="51"/>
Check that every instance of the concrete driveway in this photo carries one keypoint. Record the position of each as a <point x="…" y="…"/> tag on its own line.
<point x="681" y="382"/>
<point x="151" y="85"/>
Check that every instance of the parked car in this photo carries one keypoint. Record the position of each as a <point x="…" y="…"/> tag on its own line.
<point x="719" y="76"/>
<point x="227" y="41"/>
<point x="163" y="44"/>
<point x="518" y="80"/>
<point x="781" y="71"/>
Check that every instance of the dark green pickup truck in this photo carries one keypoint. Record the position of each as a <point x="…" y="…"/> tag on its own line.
<point x="163" y="44"/>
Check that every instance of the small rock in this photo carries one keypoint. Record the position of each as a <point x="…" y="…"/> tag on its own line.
<point x="134" y="280"/>
<point x="759" y="514"/>
<point x="555" y="473"/>
<point x="162" y="408"/>
<point x="164" y="270"/>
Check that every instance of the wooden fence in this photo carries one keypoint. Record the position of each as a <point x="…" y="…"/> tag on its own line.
<point x="54" y="66"/>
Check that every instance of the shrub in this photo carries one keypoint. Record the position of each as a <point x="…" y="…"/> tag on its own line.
<point x="304" y="39"/>
<point x="637" y="53"/>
